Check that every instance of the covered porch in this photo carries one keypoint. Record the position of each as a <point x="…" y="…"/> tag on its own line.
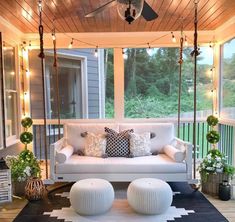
<point x="102" y="70"/>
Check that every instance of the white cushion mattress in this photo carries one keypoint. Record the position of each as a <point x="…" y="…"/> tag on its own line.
<point x="146" y="164"/>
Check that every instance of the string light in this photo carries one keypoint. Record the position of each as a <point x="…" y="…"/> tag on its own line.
<point x="4" y="46"/>
<point x="26" y="96"/>
<point x="71" y="44"/>
<point x="149" y="50"/>
<point x="53" y="36"/>
<point x="30" y="46"/>
<point x="124" y="55"/>
<point x="24" y="52"/>
<point x="185" y="41"/>
<point x="173" y="37"/>
<point x="27" y="73"/>
<point x="96" y="52"/>
<point x="40" y="5"/>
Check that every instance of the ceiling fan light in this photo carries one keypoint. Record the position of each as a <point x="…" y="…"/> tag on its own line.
<point x="129" y="10"/>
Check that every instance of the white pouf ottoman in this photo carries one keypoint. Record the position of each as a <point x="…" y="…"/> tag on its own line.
<point x="149" y="196"/>
<point x="91" y="196"/>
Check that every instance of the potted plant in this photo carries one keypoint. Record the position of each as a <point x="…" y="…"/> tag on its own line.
<point x="24" y="165"/>
<point x="214" y="168"/>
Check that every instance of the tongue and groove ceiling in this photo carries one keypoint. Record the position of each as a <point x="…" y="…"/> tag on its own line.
<point x="68" y="15"/>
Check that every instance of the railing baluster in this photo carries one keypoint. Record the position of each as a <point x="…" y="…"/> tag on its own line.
<point x="203" y="125"/>
<point x="183" y="131"/>
<point x="40" y="143"/>
<point x="188" y="131"/>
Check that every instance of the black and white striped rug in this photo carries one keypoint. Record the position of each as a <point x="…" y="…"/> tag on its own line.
<point x="187" y="205"/>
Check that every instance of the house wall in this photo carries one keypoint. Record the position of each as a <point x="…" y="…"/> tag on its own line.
<point x="92" y="70"/>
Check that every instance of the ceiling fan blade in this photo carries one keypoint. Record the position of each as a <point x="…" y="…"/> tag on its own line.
<point x="101" y="9"/>
<point x="148" y="13"/>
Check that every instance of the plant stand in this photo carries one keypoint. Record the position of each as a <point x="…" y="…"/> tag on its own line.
<point x="210" y="183"/>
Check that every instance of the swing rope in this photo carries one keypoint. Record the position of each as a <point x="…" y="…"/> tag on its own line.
<point x="180" y="79"/>
<point x="194" y="54"/>
<point x="56" y="75"/>
<point x="42" y="56"/>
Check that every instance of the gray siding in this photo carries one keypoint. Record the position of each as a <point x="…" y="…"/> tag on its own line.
<point x="92" y="81"/>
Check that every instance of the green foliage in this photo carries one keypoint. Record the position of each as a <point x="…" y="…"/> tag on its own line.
<point x="26" y="137"/>
<point x="215" y="162"/>
<point x="23" y="166"/>
<point x="229" y="170"/>
<point x="151" y="83"/>
<point x="212" y="120"/>
<point x="26" y="122"/>
<point x="213" y="137"/>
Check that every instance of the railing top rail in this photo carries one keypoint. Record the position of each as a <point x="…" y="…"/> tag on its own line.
<point x="230" y="122"/>
<point x="147" y="120"/>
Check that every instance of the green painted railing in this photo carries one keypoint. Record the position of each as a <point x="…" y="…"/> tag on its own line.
<point x="226" y="143"/>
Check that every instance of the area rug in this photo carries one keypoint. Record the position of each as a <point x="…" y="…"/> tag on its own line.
<point x="187" y="205"/>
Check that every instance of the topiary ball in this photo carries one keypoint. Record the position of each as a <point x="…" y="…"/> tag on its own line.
<point x="213" y="137"/>
<point x="214" y="153"/>
<point x="26" y="122"/>
<point x="212" y="120"/>
<point x="26" y="137"/>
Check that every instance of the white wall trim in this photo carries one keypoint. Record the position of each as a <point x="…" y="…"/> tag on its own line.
<point x="101" y="83"/>
<point x="13" y="35"/>
<point x="118" y="85"/>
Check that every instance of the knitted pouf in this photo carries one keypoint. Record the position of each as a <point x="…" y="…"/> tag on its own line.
<point x="91" y="196"/>
<point x="149" y="196"/>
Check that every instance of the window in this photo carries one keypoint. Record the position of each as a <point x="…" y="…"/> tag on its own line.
<point x="228" y="80"/>
<point x="11" y="94"/>
<point x="151" y="83"/>
<point x="85" y="84"/>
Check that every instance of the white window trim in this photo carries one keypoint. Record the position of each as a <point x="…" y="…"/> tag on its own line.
<point x="13" y="139"/>
<point x="101" y="84"/>
<point x="84" y="83"/>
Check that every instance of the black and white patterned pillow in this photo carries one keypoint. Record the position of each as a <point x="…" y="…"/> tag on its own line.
<point x="118" y="144"/>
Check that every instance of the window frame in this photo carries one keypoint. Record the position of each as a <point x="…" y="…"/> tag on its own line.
<point x="221" y="80"/>
<point x="84" y="78"/>
<point x="13" y="139"/>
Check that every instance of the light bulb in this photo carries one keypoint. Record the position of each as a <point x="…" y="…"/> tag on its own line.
<point x="30" y="46"/>
<point x="71" y="45"/>
<point x="124" y="55"/>
<point x="173" y="37"/>
<point x="185" y="41"/>
<point x="27" y="73"/>
<point x="96" y="52"/>
<point x="53" y="36"/>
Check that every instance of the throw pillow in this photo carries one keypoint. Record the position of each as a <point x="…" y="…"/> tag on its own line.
<point x="118" y="143"/>
<point x="95" y="145"/>
<point x="173" y="153"/>
<point x="140" y="144"/>
<point x="64" y="154"/>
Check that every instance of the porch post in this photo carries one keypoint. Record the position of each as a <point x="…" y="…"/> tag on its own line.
<point x="118" y="85"/>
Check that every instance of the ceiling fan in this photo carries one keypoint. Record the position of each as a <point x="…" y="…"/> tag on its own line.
<point x="128" y="10"/>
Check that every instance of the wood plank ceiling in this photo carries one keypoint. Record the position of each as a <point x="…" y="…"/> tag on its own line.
<point x="68" y="15"/>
